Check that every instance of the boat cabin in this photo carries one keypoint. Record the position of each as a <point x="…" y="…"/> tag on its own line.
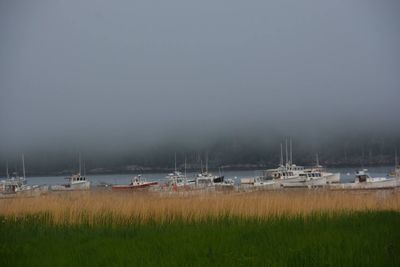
<point x="311" y="175"/>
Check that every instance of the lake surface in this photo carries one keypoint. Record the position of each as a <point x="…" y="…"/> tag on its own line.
<point x="347" y="175"/>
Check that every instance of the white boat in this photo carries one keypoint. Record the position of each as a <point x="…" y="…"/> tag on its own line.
<point x="176" y="179"/>
<point x="258" y="181"/>
<point x="16" y="184"/>
<point x="330" y="177"/>
<point x="208" y="179"/>
<point x="75" y="182"/>
<point x="363" y="180"/>
<point x="292" y="175"/>
<point x="205" y="178"/>
<point x="308" y="179"/>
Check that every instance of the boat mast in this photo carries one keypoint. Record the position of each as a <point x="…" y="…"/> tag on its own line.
<point x="395" y="158"/>
<point x="291" y="152"/>
<point x="23" y="166"/>
<point x="80" y="163"/>
<point x="316" y="155"/>
<point x="207" y="162"/>
<point x="281" y="155"/>
<point x="185" y="171"/>
<point x="8" y="175"/>
<point x="286" y="152"/>
<point x="175" y="161"/>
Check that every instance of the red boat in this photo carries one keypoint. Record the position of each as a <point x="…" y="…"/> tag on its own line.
<point x="137" y="183"/>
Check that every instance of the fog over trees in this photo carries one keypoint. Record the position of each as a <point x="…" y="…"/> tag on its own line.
<point x="131" y="83"/>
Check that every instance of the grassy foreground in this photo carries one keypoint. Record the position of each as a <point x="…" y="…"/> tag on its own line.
<point x="359" y="238"/>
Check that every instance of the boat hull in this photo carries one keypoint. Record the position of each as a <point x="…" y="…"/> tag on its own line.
<point x="71" y="187"/>
<point x="391" y="183"/>
<point x="309" y="183"/>
<point x="333" y="178"/>
<point x="133" y="187"/>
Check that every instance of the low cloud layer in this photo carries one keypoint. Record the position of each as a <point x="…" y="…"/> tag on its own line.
<point x="121" y="75"/>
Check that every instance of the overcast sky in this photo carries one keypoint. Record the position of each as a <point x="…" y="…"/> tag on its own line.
<point x="108" y="73"/>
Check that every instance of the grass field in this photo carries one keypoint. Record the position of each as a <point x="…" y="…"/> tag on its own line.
<point x="296" y="228"/>
<point x="91" y="207"/>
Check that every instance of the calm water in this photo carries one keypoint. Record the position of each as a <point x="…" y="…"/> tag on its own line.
<point x="160" y="177"/>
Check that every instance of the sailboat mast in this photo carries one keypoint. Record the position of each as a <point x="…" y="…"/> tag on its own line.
<point x="23" y="166"/>
<point x="316" y="155"/>
<point x="281" y="155"/>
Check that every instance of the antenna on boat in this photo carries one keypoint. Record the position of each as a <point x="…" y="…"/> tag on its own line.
<point x="291" y="152"/>
<point x="23" y="166"/>
<point x="281" y="155"/>
<point x="286" y="151"/>
<point x="8" y="175"/>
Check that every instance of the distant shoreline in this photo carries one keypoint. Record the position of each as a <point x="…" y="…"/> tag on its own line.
<point x="214" y="170"/>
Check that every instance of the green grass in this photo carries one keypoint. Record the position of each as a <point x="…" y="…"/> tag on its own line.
<point x="357" y="239"/>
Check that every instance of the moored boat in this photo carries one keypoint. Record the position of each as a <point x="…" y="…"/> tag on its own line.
<point x="16" y="183"/>
<point x="363" y="180"/>
<point x="137" y="183"/>
<point x="75" y="182"/>
<point x="307" y="179"/>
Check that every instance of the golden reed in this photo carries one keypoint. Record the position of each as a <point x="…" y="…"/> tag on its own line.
<point x="74" y="207"/>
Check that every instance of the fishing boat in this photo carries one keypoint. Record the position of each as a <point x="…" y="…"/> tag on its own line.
<point x="205" y="178"/>
<point x="292" y="175"/>
<point x="16" y="183"/>
<point x="306" y="179"/>
<point x="363" y="180"/>
<point x="75" y="182"/>
<point x="396" y="171"/>
<point x="137" y="183"/>
<point x="208" y="179"/>
<point x="258" y="181"/>
<point x="330" y="177"/>
<point x="177" y="179"/>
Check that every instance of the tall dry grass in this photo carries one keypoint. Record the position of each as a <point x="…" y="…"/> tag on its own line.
<point x="92" y="207"/>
